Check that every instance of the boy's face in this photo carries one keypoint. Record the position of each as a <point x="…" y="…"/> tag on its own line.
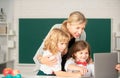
<point x="82" y="55"/>
<point x="62" y="46"/>
<point x="75" y="29"/>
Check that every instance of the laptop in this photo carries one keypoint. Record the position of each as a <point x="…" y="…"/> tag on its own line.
<point x="105" y="65"/>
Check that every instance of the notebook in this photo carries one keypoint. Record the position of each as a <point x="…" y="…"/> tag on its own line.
<point x="105" y="65"/>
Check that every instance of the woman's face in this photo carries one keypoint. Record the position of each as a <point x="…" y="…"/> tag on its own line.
<point x="82" y="55"/>
<point x="76" y="29"/>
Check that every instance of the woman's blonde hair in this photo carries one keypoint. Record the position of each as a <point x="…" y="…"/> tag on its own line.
<point x="74" y="17"/>
<point x="56" y="35"/>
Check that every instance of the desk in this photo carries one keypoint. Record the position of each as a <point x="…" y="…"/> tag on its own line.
<point x="52" y="77"/>
<point x="55" y="77"/>
<point x="46" y="77"/>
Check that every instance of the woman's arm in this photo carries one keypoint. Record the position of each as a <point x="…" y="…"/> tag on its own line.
<point x="46" y="60"/>
<point x="38" y="56"/>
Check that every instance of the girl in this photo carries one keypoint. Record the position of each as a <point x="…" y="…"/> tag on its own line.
<point x="74" y="26"/>
<point x="79" y="56"/>
<point x="55" y="43"/>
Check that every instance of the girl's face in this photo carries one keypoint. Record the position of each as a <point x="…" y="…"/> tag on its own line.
<point x="82" y="55"/>
<point x="62" y="46"/>
<point x="76" y="29"/>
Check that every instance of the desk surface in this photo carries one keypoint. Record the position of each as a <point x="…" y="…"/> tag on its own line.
<point x="46" y="77"/>
<point x="56" y="77"/>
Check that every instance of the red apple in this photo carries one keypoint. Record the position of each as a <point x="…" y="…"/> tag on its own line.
<point x="7" y="71"/>
<point x="15" y="72"/>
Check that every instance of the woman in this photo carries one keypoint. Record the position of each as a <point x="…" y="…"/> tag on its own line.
<point x="74" y="26"/>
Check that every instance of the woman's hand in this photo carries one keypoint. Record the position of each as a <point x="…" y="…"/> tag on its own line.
<point x="117" y="67"/>
<point x="46" y="60"/>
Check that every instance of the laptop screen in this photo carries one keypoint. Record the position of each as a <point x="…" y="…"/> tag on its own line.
<point x="105" y="65"/>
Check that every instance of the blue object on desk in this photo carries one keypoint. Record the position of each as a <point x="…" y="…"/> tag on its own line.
<point x="8" y="76"/>
<point x="17" y="76"/>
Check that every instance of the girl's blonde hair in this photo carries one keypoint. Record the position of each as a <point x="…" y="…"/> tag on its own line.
<point x="74" y="17"/>
<point x="56" y="35"/>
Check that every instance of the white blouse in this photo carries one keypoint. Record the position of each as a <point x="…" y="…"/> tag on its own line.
<point x="50" y="69"/>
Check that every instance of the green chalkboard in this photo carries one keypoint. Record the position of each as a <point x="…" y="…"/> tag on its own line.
<point x="32" y="31"/>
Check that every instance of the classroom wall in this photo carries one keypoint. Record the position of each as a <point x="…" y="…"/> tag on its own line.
<point x="7" y="6"/>
<point x="61" y="9"/>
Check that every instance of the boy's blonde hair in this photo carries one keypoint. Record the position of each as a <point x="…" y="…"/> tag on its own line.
<point x="56" y="35"/>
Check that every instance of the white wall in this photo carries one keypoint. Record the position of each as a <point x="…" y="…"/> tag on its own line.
<point x="8" y="9"/>
<point x="61" y="9"/>
<point x="7" y="6"/>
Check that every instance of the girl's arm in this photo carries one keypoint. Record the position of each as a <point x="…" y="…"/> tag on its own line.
<point x="71" y="66"/>
<point x="67" y="74"/>
<point x="74" y="67"/>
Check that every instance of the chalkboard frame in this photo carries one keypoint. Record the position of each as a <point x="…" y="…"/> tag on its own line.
<point x="32" y="31"/>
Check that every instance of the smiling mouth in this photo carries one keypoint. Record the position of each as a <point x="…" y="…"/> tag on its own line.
<point x="76" y="35"/>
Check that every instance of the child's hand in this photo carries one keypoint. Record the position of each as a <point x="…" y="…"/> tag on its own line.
<point x="78" y="74"/>
<point x="47" y="61"/>
<point x="83" y="70"/>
